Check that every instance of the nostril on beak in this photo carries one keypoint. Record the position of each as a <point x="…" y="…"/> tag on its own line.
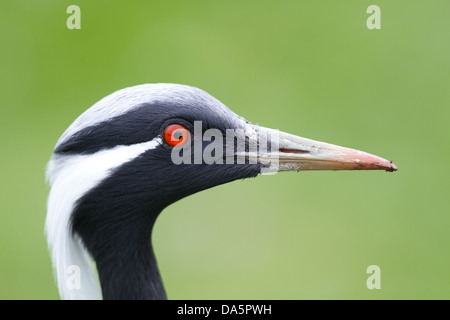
<point x="284" y="150"/>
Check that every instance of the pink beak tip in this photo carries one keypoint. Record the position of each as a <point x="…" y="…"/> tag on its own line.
<point x="392" y="167"/>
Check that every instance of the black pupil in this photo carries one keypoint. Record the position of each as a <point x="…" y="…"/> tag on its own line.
<point x="177" y="135"/>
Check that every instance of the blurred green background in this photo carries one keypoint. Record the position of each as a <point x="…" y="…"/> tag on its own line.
<point x="311" y="68"/>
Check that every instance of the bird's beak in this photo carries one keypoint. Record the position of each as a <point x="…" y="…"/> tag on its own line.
<point x="288" y="152"/>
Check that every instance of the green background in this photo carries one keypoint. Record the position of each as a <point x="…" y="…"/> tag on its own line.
<point x="311" y="68"/>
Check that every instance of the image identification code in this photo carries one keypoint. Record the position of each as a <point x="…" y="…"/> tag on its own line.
<point x="225" y="309"/>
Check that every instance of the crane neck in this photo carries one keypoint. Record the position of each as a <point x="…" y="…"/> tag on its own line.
<point x="130" y="271"/>
<point x="118" y="236"/>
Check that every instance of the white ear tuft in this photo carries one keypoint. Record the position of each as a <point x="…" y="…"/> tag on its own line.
<point x="71" y="177"/>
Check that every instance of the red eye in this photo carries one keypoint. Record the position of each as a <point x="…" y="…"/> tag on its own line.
<point x="175" y="135"/>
